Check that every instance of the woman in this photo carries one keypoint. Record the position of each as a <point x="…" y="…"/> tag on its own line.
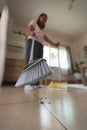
<point x="36" y="31"/>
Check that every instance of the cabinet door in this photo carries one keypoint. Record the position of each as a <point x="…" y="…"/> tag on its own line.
<point x="13" y="68"/>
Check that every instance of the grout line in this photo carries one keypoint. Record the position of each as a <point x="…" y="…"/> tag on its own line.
<point x="15" y="103"/>
<point x="53" y="114"/>
<point x="56" y="118"/>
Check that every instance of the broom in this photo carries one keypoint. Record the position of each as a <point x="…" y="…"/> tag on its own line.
<point x="58" y="84"/>
<point x="34" y="71"/>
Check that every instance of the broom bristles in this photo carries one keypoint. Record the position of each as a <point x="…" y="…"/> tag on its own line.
<point x="33" y="72"/>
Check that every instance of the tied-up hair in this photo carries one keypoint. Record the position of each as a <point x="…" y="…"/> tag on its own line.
<point x="38" y="21"/>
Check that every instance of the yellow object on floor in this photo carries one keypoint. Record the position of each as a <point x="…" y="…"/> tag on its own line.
<point x="58" y="85"/>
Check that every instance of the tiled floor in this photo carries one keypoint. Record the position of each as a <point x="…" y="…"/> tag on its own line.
<point x="43" y="109"/>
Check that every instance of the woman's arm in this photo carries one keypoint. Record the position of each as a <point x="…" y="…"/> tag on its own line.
<point x="31" y="28"/>
<point x="50" y="41"/>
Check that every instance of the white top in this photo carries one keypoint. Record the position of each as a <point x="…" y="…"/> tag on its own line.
<point x="39" y="34"/>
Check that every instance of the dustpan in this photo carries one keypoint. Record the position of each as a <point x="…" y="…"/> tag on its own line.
<point x="34" y="71"/>
<point x="59" y="84"/>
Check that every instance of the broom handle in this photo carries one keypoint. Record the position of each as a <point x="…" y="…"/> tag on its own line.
<point x="59" y="74"/>
<point x="32" y="51"/>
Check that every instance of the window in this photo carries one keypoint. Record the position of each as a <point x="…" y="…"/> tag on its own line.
<point x="58" y="58"/>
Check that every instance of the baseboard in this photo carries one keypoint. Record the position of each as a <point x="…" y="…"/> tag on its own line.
<point x="8" y="83"/>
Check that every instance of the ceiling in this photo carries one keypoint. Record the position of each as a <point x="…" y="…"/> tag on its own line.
<point x="62" y="21"/>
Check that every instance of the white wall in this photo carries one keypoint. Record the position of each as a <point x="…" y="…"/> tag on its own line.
<point x="2" y="4"/>
<point x="77" y="48"/>
<point x="16" y="46"/>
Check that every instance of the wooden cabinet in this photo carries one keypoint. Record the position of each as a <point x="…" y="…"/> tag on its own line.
<point x="15" y="56"/>
<point x="13" y="68"/>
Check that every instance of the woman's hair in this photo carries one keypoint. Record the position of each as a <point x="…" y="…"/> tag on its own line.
<point x="38" y="21"/>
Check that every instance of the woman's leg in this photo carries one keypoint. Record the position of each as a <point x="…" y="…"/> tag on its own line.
<point x="38" y="53"/>
<point x="28" y="50"/>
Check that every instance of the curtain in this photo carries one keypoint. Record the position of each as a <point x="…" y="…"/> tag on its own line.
<point x="59" y="57"/>
<point x="64" y="60"/>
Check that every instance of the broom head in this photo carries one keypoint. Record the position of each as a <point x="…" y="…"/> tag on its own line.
<point x="33" y="72"/>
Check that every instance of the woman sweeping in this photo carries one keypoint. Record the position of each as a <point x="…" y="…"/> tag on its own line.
<point x="36" y="31"/>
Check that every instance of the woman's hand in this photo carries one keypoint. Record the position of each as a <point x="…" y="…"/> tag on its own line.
<point x="31" y="31"/>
